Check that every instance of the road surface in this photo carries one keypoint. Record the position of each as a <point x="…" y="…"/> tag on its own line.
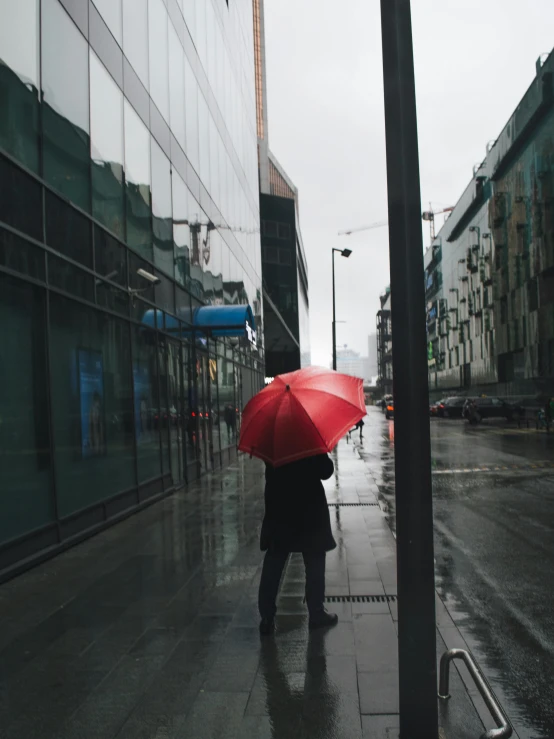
<point x="493" y="492"/>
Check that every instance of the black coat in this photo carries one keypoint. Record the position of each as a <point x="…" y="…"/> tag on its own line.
<point x="296" y="511"/>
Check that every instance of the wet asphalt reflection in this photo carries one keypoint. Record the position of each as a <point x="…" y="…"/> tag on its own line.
<point x="493" y="492"/>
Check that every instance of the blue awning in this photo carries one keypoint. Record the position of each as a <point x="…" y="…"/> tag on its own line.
<point x="210" y="320"/>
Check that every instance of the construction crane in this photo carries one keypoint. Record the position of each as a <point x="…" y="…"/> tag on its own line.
<point x="429" y="215"/>
<point x="378" y="224"/>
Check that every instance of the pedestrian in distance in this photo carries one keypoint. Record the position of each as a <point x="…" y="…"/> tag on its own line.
<point x="296" y="520"/>
<point x="360" y="426"/>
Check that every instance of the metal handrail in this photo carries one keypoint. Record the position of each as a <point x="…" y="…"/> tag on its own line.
<point x="504" y="729"/>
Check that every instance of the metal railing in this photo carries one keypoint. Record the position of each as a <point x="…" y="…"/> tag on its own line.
<point x="504" y="729"/>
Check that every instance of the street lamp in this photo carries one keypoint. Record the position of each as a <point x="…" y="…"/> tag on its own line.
<point x="344" y="253"/>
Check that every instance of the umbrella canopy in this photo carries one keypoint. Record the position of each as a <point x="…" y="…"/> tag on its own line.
<point x="301" y="414"/>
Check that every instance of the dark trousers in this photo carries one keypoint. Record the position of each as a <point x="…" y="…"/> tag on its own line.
<point x="274" y="563"/>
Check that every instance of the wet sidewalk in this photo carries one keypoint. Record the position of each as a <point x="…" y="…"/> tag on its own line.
<point x="150" y="630"/>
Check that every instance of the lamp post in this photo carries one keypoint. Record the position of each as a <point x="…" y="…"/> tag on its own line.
<point x="343" y="253"/>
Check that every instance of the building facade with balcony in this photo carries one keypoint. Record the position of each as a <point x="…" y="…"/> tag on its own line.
<point x="130" y="259"/>
<point x="489" y="274"/>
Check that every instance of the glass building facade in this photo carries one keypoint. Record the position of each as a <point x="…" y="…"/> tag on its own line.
<point x="128" y="200"/>
<point x="490" y="272"/>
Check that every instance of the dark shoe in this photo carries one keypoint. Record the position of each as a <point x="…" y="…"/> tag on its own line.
<point x="323" y="620"/>
<point x="267" y="626"/>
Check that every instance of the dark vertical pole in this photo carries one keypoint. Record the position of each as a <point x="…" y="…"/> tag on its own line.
<point x="414" y="512"/>
<point x="334" y="317"/>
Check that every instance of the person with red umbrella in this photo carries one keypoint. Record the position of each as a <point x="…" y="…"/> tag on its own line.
<point x="292" y="424"/>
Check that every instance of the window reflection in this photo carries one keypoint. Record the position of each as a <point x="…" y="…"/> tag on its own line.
<point x="177" y="86"/>
<point x="65" y="75"/>
<point x="137" y="183"/>
<point x="19" y="74"/>
<point x="106" y="131"/>
<point x="162" y="210"/>
<point x="135" y="37"/>
<point x="191" y="115"/>
<point x="158" y="44"/>
<point x="204" y="140"/>
<point x="25" y="472"/>
<point x="110" y="10"/>
<point x="181" y="229"/>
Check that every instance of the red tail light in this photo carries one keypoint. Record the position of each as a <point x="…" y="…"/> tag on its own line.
<point x="441" y="405"/>
<point x="193" y="414"/>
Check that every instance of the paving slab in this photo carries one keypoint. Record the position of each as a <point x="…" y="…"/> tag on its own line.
<point x="150" y="630"/>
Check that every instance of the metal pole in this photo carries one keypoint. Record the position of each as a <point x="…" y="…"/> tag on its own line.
<point x="334" y="317"/>
<point x="414" y="512"/>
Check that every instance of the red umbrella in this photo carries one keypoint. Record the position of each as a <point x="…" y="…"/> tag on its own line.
<point x="300" y="414"/>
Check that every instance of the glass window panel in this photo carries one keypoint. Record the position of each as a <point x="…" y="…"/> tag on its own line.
<point x="189" y="13"/>
<point x="20" y="200"/>
<point x="204" y="139"/>
<point x="191" y="115"/>
<point x="26" y="502"/>
<point x="92" y="410"/>
<point x="165" y="293"/>
<point x="137" y="183"/>
<point x="181" y="230"/>
<point x="110" y="257"/>
<point x="191" y="405"/>
<point x="67" y="230"/>
<point x="177" y="86"/>
<point x="19" y="33"/>
<point x="135" y="37"/>
<point x="158" y="44"/>
<point x="147" y="405"/>
<point x="226" y="395"/>
<point x="165" y="413"/>
<point x="20" y="255"/>
<point x="201" y="37"/>
<point x="111" y="297"/>
<point x="211" y="42"/>
<point x="69" y="278"/>
<point x="182" y="306"/>
<point x="214" y="162"/>
<point x="65" y="82"/>
<point x="161" y="210"/>
<point x="136" y="282"/>
<point x="106" y="134"/>
<point x="110" y="10"/>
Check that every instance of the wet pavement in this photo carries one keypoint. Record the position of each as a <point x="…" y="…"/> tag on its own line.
<point x="150" y="629"/>
<point x="493" y="491"/>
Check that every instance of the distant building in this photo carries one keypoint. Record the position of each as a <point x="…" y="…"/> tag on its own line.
<point x="372" y="354"/>
<point x="284" y="264"/>
<point x="350" y="362"/>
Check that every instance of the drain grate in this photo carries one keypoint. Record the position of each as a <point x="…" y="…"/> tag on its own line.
<point x="360" y="598"/>
<point x="351" y="505"/>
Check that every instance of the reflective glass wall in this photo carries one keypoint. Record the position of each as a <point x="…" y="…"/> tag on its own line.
<point x="127" y="147"/>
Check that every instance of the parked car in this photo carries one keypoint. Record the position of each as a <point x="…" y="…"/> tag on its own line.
<point x="434" y="407"/>
<point x="451" y="407"/>
<point x="476" y="409"/>
<point x="389" y="410"/>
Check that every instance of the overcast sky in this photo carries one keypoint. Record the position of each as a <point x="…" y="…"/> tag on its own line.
<point x="474" y="61"/>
